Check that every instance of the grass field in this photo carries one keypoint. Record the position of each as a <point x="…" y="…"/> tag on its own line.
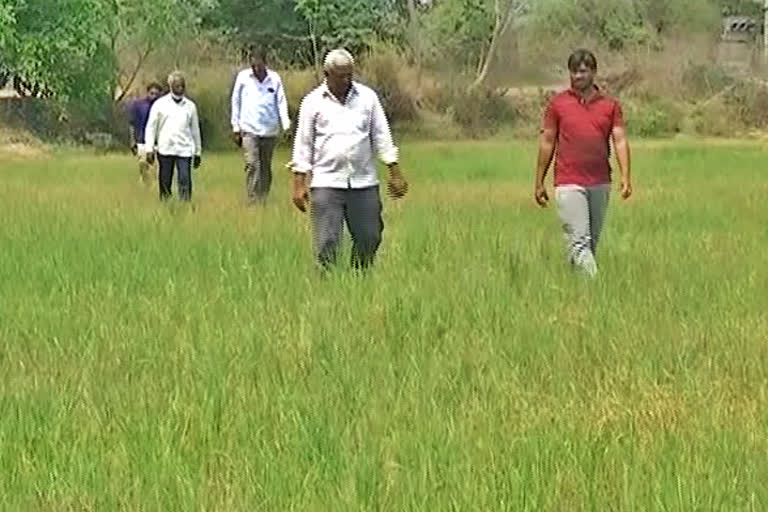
<point x="164" y="358"/>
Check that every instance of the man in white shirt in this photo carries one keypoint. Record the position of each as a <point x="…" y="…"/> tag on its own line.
<point x="259" y="110"/>
<point x="173" y="132"/>
<point x="341" y="127"/>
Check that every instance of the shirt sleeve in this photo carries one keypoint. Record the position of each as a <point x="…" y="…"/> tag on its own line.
<point x="150" y="133"/>
<point x="131" y="114"/>
<point x="282" y="106"/>
<point x="304" y="140"/>
<point x="617" y="119"/>
<point x="382" y="136"/>
<point x="551" y="119"/>
<point x="237" y="99"/>
<point x="195" y="120"/>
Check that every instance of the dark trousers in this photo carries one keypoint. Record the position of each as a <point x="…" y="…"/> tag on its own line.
<point x="165" y="176"/>
<point x="360" y="209"/>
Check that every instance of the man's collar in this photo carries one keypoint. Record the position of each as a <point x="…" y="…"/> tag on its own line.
<point x="252" y="74"/>
<point x="328" y="94"/>
<point x="598" y="93"/>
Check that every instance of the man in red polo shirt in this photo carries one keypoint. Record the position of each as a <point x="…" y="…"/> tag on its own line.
<point x="579" y="125"/>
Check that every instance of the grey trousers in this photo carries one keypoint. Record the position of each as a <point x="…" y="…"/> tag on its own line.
<point x="582" y="213"/>
<point x="258" y="153"/>
<point x="361" y="209"/>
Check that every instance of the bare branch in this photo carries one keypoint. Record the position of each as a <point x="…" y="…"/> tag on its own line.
<point x="127" y="87"/>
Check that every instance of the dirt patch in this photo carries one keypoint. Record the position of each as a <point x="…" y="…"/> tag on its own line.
<point x="21" y="150"/>
<point x="20" y="144"/>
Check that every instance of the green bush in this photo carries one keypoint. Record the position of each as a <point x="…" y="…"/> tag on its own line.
<point x="704" y="80"/>
<point x="749" y="101"/>
<point x="716" y="120"/>
<point x="481" y="112"/>
<point x="393" y="79"/>
<point x="654" y="118"/>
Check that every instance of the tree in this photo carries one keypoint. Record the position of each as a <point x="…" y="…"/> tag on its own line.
<point x="348" y="23"/>
<point x="273" y="24"/>
<point x="53" y="48"/>
<point x="505" y="13"/>
<point x="137" y="28"/>
<point x="461" y="30"/>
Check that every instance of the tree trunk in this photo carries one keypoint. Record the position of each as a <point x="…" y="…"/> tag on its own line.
<point x="413" y="39"/>
<point x="500" y="26"/>
<point x="127" y="87"/>
<point x="315" y="52"/>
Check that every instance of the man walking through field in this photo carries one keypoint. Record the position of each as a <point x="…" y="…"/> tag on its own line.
<point x="173" y="130"/>
<point x="341" y="127"/>
<point x="579" y="125"/>
<point x="138" y="115"/>
<point x="259" y="110"/>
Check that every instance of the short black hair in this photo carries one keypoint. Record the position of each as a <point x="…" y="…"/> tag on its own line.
<point x="255" y="50"/>
<point x="154" y="85"/>
<point x="580" y="57"/>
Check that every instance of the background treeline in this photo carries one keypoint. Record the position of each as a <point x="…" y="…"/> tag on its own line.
<point x="444" y="67"/>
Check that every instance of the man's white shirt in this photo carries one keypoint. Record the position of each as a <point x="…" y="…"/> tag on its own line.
<point x="173" y="128"/>
<point x="259" y="108"/>
<point x="338" y="142"/>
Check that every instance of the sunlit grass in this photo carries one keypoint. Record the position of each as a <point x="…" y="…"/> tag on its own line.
<point x="164" y="357"/>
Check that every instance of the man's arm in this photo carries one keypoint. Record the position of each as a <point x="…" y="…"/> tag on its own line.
<point x="132" y="138"/>
<point x="195" y="127"/>
<point x="303" y="154"/>
<point x="131" y="114"/>
<point x="236" y="104"/>
<point x="547" y="143"/>
<point x="550" y="127"/>
<point x="282" y="107"/>
<point x="150" y="132"/>
<point x="381" y="136"/>
<point x="621" y="144"/>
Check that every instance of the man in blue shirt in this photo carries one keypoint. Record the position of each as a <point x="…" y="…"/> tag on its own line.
<point x="259" y="111"/>
<point x="138" y="115"/>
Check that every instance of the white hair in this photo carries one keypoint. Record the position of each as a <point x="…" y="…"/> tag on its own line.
<point x="176" y="76"/>
<point x="338" y="58"/>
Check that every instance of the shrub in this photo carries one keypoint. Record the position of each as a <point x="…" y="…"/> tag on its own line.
<point x="716" y="120"/>
<point x="482" y="112"/>
<point x="394" y="80"/>
<point x="298" y="83"/>
<point x="749" y="101"/>
<point x="654" y="118"/>
<point x="704" y="80"/>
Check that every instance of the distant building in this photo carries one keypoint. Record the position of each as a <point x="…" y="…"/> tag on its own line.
<point x="740" y="29"/>
<point x="8" y="91"/>
<point x="738" y="43"/>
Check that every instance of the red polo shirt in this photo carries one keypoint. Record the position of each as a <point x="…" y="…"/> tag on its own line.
<point x="583" y="137"/>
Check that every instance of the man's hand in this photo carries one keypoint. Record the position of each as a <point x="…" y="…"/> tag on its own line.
<point x="541" y="196"/>
<point x="150" y="157"/>
<point x="626" y="189"/>
<point x="197" y="161"/>
<point x="397" y="186"/>
<point x="300" y="192"/>
<point x="237" y="138"/>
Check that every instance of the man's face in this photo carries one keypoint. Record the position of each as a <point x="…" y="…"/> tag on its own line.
<point x="340" y="79"/>
<point x="583" y="77"/>
<point x="258" y="65"/>
<point x="179" y="87"/>
<point x="153" y="94"/>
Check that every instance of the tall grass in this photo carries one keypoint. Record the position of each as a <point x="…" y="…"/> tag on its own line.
<point x="169" y="358"/>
